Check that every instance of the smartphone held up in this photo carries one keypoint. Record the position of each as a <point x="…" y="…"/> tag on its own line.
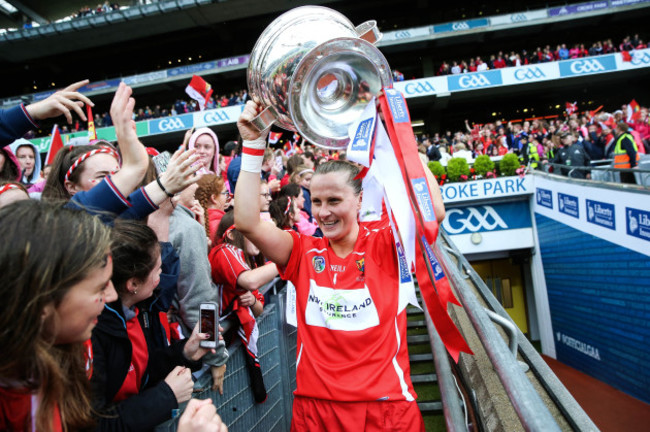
<point x="209" y="321"/>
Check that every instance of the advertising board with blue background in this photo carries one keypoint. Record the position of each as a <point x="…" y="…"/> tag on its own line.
<point x="597" y="273"/>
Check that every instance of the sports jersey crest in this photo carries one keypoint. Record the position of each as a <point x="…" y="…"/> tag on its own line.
<point x="319" y="263"/>
<point x="361" y="265"/>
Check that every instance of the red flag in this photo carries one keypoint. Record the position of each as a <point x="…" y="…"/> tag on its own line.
<point x="199" y="90"/>
<point x="55" y="145"/>
<point x="633" y="111"/>
<point x="274" y="137"/>
<point x="571" y="107"/>
<point x="92" y="133"/>
<point x="626" y="56"/>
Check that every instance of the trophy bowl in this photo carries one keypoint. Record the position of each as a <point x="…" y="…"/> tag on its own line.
<point x="314" y="72"/>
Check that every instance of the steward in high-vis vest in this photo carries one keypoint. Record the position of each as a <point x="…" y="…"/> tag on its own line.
<point x="530" y="153"/>
<point x="626" y="153"/>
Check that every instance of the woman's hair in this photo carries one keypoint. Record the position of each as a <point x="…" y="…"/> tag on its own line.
<point x="339" y="166"/>
<point x="55" y="185"/>
<point x="237" y="239"/>
<point x="291" y="190"/>
<point x="46" y="249"/>
<point x="11" y="169"/>
<point x="280" y="211"/>
<point x="209" y="185"/>
<point x="135" y="251"/>
<point x="299" y="172"/>
<point x="293" y="162"/>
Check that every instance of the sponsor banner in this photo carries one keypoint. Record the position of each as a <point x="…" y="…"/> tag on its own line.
<point x="43" y="95"/>
<point x="519" y="17"/>
<point x="618" y="3"/>
<point x="170" y="124"/>
<point x="461" y="25"/>
<point x="601" y="213"/>
<point x="568" y="204"/>
<point x="145" y="78"/>
<point x="100" y="85"/>
<point x="640" y="59"/>
<point x="217" y="116"/>
<point x="578" y="8"/>
<point x="578" y="345"/>
<point x="530" y="73"/>
<point x="486" y="189"/>
<point x="474" y="80"/>
<point x="401" y="36"/>
<point x="233" y="61"/>
<point x="192" y="69"/>
<point x="637" y="223"/>
<point x="422" y="87"/>
<point x="340" y="309"/>
<point x="484" y="218"/>
<point x="617" y="216"/>
<point x="588" y="65"/>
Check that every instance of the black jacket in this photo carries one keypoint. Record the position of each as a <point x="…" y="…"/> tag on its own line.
<point x="112" y="352"/>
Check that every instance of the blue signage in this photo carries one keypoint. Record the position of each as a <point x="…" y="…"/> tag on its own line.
<point x="483" y="218"/>
<point x="579" y="8"/>
<point x="397" y="106"/>
<point x="474" y="80"/>
<point x="404" y="271"/>
<point x="637" y="223"/>
<point x="568" y="204"/>
<point x="100" y="85"/>
<point x="171" y="124"/>
<point x="421" y="190"/>
<point x="587" y="65"/>
<point x="364" y="135"/>
<point x="422" y="87"/>
<point x="529" y="74"/>
<point x="544" y="197"/>
<point x="435" y="265"/>
<point x="192" y="69"/>
<point x="600" y="213"/>
<point x="461" y="25"/>
<point x="217" y="116"/>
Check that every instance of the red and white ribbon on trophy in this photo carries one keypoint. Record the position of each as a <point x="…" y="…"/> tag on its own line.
<point x="396" y="176"/>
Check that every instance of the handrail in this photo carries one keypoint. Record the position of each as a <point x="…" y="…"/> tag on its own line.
<point x="571" y="410"/>
<point x="531" y="410"/>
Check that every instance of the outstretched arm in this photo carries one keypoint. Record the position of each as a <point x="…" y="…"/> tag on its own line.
<point x="274" y="243"/>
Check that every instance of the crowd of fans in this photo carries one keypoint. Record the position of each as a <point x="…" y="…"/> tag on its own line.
<point x="101" y="8"/>
<point x="543" y="143"/>
<point x="540" y="55"/>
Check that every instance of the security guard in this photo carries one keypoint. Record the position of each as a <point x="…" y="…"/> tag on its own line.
<point x="626" y="154"/>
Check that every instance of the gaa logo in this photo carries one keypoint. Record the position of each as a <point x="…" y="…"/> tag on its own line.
<point x="640" y="58"/>
<point x="217" y="116"/>
<point x="460" y="26"/>
<point x="472" y="219"/>
<point x="586" y="66"/>
<point x="518" y="18"/>
<point x="170" y="124"/>
<point x="419" y="88"/>
<point x="469" y="81"/>
<point x="529" y="74"/>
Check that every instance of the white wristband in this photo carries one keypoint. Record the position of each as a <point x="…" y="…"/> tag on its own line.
<point x="252" y="155"/>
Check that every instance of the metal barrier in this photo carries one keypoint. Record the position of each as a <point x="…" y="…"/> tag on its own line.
<point x="608" y="173"/>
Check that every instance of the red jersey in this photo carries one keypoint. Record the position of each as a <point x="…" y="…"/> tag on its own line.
<point x="351" y="331"/>
<point x="18" y="408"/>
<point x="227" y="263"/>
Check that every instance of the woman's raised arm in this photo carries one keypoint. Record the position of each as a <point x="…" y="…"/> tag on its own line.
<point x="274" y="243"/>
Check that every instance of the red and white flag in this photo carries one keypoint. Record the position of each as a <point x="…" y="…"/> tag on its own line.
<point x="633" y="111"/>
<point x="274" y="137"/>
<point x="55" y="145"/>
<point x="571" y="107"/>
<point x="92" y="132"/>
<point x="199" y="90"/>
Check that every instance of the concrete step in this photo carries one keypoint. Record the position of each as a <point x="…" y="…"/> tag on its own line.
<point x="417" y="339"/>
<point x="421" y="357"/>
<point x="416" y="323"/>
<point x="432" y="407"/>
<point x="424" y="378"/>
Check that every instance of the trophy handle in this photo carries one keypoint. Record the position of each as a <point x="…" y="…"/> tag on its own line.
<point x="265" y="119"/>
<point x="369" y="32"/>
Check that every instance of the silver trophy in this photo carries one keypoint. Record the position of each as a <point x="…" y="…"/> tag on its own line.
<point x="315" y="72"/>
